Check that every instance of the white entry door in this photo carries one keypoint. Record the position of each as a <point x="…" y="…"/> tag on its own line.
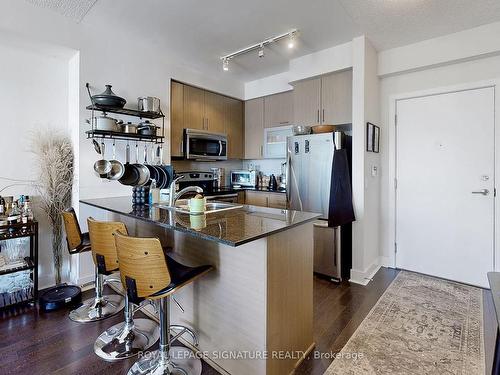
<point x="445" y="164"/>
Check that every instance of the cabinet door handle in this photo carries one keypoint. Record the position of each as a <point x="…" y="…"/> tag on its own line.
<point x="317" y="116"/>
<point x="267" y="201"/>
<point x="323" y="115"/>
<point x="261" y="150"/>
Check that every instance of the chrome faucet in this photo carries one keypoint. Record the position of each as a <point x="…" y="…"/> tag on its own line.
<point x="173" y="196"/>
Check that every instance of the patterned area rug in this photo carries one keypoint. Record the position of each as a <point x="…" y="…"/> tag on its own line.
<point x="420" y="325"/>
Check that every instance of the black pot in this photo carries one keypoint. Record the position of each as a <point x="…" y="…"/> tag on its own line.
<point x="108" y="99"/>
<point x="146" y="128"/>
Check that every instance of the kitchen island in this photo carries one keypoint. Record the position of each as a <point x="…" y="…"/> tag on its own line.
<point x="254" y="312"/>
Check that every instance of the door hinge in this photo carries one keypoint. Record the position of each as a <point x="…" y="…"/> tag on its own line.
<point x="396" y="120"/>
<point x="396" y="247"/>
<point x="395" y="183"/>
<point x="495" y="192"/>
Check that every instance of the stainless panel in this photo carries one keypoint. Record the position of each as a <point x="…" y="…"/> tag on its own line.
<point x="327" y="250"/>
<point x="309" y="172"/>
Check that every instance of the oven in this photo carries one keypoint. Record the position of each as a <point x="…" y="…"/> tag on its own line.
<point x="202" y="145"/>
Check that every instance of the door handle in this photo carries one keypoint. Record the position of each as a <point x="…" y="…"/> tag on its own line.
<point x="483" y="192"/>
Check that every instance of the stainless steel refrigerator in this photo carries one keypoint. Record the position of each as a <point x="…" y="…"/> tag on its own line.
<point x="318" y="180"/>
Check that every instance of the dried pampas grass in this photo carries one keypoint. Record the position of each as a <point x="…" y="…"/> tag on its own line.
<point x="54" y="154"/>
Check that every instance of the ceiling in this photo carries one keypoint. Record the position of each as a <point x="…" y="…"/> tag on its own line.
<point x="202" y="31"/>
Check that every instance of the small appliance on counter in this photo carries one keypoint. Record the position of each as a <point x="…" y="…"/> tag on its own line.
<point x="219" y="177"/>
<point x="273" y="183"/>
<point x="244" y="178"/>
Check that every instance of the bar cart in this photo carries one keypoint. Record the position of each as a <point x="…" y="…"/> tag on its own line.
<point x="29" y="263"/>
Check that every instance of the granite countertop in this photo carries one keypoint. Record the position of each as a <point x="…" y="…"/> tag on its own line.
<point x="231" y="190"/>
<point x="233" y="227"/>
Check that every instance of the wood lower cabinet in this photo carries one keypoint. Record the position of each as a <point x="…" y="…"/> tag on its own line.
<point x="277" y="200"/>
<point x="266" y="199"/>
<point x="254" y="128"/>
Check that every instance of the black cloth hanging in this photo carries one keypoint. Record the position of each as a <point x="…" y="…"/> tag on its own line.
<point x="340" y="211"/>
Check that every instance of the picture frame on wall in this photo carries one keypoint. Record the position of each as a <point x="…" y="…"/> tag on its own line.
<point x="376" y="139"/>
<point x="369" y="136"/>
<point x="372" y="138"/>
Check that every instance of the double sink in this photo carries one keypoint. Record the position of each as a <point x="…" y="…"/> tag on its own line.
<point x="182" y="206"/>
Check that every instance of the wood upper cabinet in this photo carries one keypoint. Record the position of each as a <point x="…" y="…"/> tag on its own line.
<point x="194" y="108"/>
<point x="325" y="100"/>
<point x="336" y="98"/>
<point x="278" y="109"/>
<point x="254" y="128"/>
<point x="214" y="112"/>
<point x="307" y="102"/>
<point x="176" y="118"/>
<point x="233" y="127"/>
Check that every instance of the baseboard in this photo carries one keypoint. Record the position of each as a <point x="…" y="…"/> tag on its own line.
<point x="385" y="261"/>
<point x="364" y="277"/>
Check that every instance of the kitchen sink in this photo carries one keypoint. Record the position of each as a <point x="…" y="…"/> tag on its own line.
<point x="211" y="207"/>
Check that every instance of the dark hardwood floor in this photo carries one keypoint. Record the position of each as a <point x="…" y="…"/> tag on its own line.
<point x="38" y="343"/>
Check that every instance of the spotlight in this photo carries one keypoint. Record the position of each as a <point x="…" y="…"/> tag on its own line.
<point x="261" y="50"/>
<point x="225" y="65"/>
<point x="291" y="40"/>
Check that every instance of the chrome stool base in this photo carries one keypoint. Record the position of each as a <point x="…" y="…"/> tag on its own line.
<point x="124" y="341"/>
<point x="93" y="310"/>
<point x="182" y="361"/>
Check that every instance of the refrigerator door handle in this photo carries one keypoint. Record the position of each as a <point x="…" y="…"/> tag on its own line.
<point x="288" y="166"/>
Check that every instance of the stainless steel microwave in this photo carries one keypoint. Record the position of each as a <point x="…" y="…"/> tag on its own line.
<point x="203" y="145"/>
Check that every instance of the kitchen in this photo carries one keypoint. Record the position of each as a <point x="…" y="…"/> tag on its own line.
<point x="233" y="195"/>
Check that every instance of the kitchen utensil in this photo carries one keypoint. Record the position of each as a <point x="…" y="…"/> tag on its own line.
<point x="146" y="128"/>
<point x="143" y="171"/>
<point x="301" y="130"/>
<point x="153" y="173"/>
<point x="128" y="128"/>
<point x="102" y="166"/>
<point x="104" y="123"/>
<point x="162" y="180"/>
<point x="148" y="104"/>
<point x="317" y="129"/>
<point x="117" y="168"/>
<point x="107" y="99"/>
<point x="97" y="148"/>
<point x="131" y="174"/>
<point x="273" y="183"/>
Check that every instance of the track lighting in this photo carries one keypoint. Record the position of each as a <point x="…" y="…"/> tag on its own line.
<point x="291" y="40"/>
<point x="291" y="35"/>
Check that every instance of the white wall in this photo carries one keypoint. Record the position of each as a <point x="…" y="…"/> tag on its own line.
<point x="34" y="94"/>
<point x="315" y="64"/>
<point x="134" y="66"/>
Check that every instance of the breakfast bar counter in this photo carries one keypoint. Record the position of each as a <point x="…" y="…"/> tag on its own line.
<point x="254" y="312"/>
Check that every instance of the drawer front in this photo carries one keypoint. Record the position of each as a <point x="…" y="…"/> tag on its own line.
<point x="277" y="200"/>
<point x="256" y="198"/>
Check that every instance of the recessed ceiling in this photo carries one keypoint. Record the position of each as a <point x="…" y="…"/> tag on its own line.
<point x="202" y="31"/>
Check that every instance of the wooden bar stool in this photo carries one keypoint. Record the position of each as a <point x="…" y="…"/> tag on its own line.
<point x="126" y="339"/>
<point x="101" y="306"/>
<point x="147" y="273"/>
